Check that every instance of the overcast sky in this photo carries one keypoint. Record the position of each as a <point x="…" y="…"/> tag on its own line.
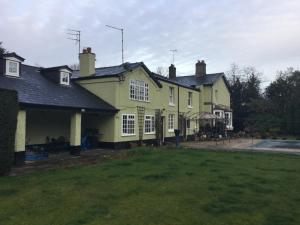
<point x="260" y="33"/>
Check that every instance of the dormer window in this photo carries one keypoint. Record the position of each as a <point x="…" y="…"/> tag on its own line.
<point x="12" y="68"/>
<point x="11" y="64"/>
<point x="64" y="78"/>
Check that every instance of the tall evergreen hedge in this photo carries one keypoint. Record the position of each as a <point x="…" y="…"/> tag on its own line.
<point x="8" y="123"/>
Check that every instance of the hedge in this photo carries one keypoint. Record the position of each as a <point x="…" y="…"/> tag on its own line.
<point x="8" y="122"/>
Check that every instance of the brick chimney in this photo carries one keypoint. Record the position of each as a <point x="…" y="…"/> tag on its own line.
<point x="172" y="72"/>
<point x="200" y="68"/>
<point x="87" y="62"/>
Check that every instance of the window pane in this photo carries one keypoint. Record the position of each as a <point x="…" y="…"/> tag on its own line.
<point x="13" y="67"/>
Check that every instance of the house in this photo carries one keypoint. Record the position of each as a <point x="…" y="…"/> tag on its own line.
<point x="113" y="106"/>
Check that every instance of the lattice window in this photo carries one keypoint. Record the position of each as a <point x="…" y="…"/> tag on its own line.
<point x="128" y="124"/>
<point x="149" y="124"/>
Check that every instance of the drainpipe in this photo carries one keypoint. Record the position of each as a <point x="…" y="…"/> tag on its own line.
<point x="178" y="107"/>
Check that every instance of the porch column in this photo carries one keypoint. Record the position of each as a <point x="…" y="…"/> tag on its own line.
<point x="75" y="133"/>
<point x="20" y="138"/>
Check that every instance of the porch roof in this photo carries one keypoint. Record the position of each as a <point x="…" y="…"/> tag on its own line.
<point x="34" y="89"/>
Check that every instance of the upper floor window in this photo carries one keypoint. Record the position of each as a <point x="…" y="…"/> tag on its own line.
<point x="171" y="95"/>
<point x="64" y="78"/>
<point x="12" y="68"/>
<point x="190" y="100"/>
<point x="149" y="124"/>
<point x="128" y="124"/>
<point x="219" y="114"/>
<point x="139" y="90"/>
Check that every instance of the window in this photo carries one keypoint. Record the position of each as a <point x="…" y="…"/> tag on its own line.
<point x="64" y="78"/>
<point x="128" y="123"/>
<point x="12" y="68"/>
<point x="228" y="119"/>
<point x="139" y="90"/>
<point x="171" y="122"/>
<point x="190" y="100"/>
<point x="218" y="114"/>
<point x="149" y="124"/>
<point x="188" y="125"/>
<point x="171" y="96"/>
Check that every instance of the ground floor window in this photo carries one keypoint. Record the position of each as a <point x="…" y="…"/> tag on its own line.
<point x="149" y="124"/>
<point x="188" y="124"/>
<point x="128" y="123"/>
<point x="171" y="119"/>
<point x="228" y="119"/>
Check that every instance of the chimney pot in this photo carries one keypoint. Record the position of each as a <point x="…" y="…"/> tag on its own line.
<point x="84" y="50"/>
<point x="89" y="50"/>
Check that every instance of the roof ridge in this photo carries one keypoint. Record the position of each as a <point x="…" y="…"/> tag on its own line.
<point x="104" y="67"/>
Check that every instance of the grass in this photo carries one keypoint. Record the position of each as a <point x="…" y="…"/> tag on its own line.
<point x="169" y="187"/>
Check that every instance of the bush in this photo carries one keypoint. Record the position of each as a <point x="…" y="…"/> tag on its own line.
<point x="8" y="123"/>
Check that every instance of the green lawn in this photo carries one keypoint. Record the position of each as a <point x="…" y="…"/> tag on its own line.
<point x="167" y="187"/>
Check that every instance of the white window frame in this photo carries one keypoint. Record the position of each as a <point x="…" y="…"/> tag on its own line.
<point x="220" y="112"/>
<point x="171" y="122"/>
<point x="64" y="75"/>
<point x="128" y="131"/>
<point x="188" y="125"/>
<point x="171" y="96"/>
<point x="139" y="90"/>
<point x="229" y="124"/>
<point x="190" y="99"/>
<point x="8" y="72"/>
<point x="149" y="124"/>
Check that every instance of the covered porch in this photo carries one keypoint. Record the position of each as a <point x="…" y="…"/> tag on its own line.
<point x="42" y="131"/>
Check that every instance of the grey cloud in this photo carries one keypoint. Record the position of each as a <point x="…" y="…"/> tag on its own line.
<point x="264" y="34"/>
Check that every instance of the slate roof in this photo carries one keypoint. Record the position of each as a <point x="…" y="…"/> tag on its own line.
<point x="191" y="80"/>
<point x="113" y="71"/>
<point x="173" y="81"/>
<point x="35" y="89"/>
<point x="184" y="81"/>
<point x="13" y="54"/>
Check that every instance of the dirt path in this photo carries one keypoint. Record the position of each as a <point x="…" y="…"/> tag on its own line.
<point x="65" y="160"/>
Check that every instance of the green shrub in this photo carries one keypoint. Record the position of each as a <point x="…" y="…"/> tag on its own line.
<point x="8" y="123"/>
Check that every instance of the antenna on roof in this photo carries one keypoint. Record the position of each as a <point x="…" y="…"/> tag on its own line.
<point x="122" y="33"/>
<point x="74" y="35"/>
<point x="173" y="55"/>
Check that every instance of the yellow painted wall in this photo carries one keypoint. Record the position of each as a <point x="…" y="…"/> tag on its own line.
<point x="105" y="88"/>
<point x="221" y="94"/>
<point x="117" y="93"/>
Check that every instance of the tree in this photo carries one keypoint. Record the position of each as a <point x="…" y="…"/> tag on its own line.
<point x="284" y="96"/>
<point x="8" y="123"/>
<point x="245" y="87"/>
<point x="2" y="49"/>
<point x="74" y="66"/>
<point x="162" y="71"/>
